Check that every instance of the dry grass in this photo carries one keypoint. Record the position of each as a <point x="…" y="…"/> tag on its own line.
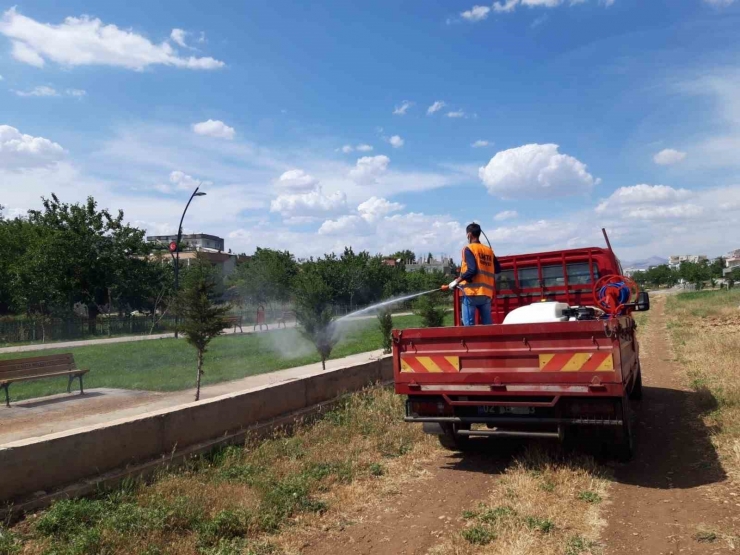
<point x="542" y="504"/>
<point x="258" y="499"/>
<point x="705" y="329"/>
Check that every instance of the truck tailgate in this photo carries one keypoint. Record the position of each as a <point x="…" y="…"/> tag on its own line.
<point x="550" y="358"/>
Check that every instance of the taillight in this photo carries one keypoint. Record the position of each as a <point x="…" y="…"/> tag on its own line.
<point x="430" y="408"/>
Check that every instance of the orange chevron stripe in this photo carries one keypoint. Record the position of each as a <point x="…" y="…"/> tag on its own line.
<point x="430" y="364"/>
<point x="577" y="362"/>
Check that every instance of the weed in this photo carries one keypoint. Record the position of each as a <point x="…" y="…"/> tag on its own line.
<point x="544" y="525"/>
<point x="577" y="545"/>
<point x="548" y="486"/>
<point x="284" y="499"/>
<point x="478" y="535"/>
<point x="705" y="536"/>
<point x="9" y="543"/>
<point x="492" y="515"/>
<point x="69" y="517"/>
<point x="225" y="525"/>
<point x="376" y="469"/>
<point x="467" y="515"/>
<point x="589" y="497"/>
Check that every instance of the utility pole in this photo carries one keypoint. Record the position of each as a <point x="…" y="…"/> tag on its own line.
<point x="176" y="254"/>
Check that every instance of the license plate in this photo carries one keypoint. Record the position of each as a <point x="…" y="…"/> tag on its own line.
<point x="506" y="410"/>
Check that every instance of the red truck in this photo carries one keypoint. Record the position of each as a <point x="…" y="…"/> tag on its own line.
<point x="538" y="379"/>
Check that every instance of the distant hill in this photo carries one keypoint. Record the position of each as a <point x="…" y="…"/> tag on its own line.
<point x="645" y="264"/>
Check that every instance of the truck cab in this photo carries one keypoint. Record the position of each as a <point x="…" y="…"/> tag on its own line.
<point x="543" y="377"/>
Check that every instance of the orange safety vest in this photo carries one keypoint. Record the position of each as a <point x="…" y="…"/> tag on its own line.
<point x="483" y="282"/>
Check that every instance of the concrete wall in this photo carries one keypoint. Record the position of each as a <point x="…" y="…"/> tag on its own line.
<point x="44" y="464"/>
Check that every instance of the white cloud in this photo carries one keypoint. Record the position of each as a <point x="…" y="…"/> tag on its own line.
<point x="375" y="207"/>
<point x="476" y="13"/>
<point x="359" y="148"/>
<point x="506" y="215"/>
<point x="719" y="3"/>
<point x="297" y="181"/>
<point x="403" y="108"/>
<point x="508" y="6"/>
<point x="180" y="181"/>
<point x="642" y="194"/>
<point x="42" y="90"/>
<point x="19" y="151"/>
<point x="1" y="77"/>
<point x="456" y="114"/>
<point x="79" y="41"/>
<point x="679" y="211"/>
<point x="668" y="157"/>
<point x="481" y="143"/>
<point x="436" y="107"/>
<point x="178" y="36"/>
<point x="214" y="128"/>
<point x="369" y="168"/>
<point x="308" y="204"/>
<point x="396" y="141"/>
<point x="535" y="169"/>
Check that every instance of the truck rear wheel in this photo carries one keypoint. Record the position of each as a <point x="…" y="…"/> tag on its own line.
<point x="636" y="393"/>
<point x="452" y="441"/>
<point x="625" y="446"/>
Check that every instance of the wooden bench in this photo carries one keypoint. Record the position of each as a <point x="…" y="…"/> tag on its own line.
<point x="234" y="322"/>
<point x="284" y="317"/>
<point x="37" y="368"/>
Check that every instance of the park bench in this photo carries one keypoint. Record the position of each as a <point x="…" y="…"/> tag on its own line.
<point x="36" y="368"/>
<point x="234" y="322"/>
<point x="285" y="316"/>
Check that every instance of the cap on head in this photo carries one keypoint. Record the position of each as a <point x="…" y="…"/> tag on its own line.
<point x="474" y="230"/>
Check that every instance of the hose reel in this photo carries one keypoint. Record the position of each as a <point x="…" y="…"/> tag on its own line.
<point x="615" y="294"/>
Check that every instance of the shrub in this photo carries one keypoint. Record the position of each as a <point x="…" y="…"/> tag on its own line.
<point x="385" y="323"/>
<point x="427" y="307"/>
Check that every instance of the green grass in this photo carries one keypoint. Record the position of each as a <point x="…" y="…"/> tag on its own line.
<point x="705" y="303"/>
<point x="169" y="364"/>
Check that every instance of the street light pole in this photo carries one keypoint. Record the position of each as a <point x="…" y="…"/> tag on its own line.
<point x="176" y="256"/>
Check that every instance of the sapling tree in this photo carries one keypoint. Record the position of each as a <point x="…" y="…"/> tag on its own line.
<point x="313" y="311"/>
<point x="385" y="323"/>
<point x="202" y="319"/>
<point x="428" y="308"/>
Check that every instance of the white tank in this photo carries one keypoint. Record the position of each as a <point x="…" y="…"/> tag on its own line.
<point x="537" y="313"/>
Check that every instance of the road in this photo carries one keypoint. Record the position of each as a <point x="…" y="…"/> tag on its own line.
<point x="672" y="488"/>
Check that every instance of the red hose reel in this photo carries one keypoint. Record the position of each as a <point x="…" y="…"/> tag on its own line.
<point x="615" y="294"/>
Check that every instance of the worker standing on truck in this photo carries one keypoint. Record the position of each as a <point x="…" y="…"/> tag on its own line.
<point x="479" y="266"/>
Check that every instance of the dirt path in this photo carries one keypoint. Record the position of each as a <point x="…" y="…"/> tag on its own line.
<point x="414" y="521"/>
<point x="673" y="489"/>
<point x="675" y="486"/>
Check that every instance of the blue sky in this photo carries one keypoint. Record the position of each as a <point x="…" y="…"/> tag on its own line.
<point x="383" y="125"/>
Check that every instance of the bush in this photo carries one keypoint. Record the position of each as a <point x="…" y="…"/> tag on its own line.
<point x="427" y="307"/>
<point x="385" y="323"/>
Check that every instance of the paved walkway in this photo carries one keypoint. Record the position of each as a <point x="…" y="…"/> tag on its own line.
<point x="57" y="413"/>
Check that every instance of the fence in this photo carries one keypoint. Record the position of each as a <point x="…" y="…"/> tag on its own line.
<point x="31" y="331"/>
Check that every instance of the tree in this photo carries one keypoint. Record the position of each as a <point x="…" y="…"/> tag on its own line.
<point x="385" y="323"/>
<point x="406" y="256"/>
<point x="202" y="319"/>
<point x="717" y="267"/>
<point x="266" y="277"/>
<point x="428" y="309"/>
<point x="313" y="298"/>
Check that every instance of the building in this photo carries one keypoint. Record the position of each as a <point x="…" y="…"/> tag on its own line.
<point x="444" y="265"/>
<point x="732" y="261"/>
<point x="675" y="261"/>
<point x="193" y="241"/>
<point x="199" y="245"/>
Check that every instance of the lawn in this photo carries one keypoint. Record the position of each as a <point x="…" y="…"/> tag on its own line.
<point x="169" y="364"/>
<point x="705" y="329"/>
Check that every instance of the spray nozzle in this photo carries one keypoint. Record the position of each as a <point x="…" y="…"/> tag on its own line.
<point x="444" y="288"/>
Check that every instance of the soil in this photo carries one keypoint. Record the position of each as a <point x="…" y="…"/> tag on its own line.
<point x="672" y="490"/>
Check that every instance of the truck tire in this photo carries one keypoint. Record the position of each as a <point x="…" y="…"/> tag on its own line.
<point x="636" y="393"/>
<point x="451" y="440"/>
<point x="625" y="447"/>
